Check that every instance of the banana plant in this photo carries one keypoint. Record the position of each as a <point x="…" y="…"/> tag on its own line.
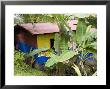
<point x="86" y="42"/>
<point x="80" y="39"/>
<point x="84" y="39"/>
<point x="63" y="57"/>
<point x="36" y="51"/>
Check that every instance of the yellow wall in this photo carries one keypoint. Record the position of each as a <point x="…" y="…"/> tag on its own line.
<point x="43" y="40"/>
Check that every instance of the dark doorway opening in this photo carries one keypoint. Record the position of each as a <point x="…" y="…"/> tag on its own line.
<point x="52" y="43"/>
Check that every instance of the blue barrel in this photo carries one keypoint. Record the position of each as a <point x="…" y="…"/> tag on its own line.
<point x="41" y="60"/>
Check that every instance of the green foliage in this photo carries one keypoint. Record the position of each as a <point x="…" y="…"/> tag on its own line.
<point x="61" y="39"/>
<point x="80" y="31"/>
<point x="36" y="51"/>
<point x="54" y="59"/>
<point x="64" y="41"/>
<point x="18" y="58"/>
<point x="92" y="45"/>
<point x="21" y="69"/>
<point x="34" y="18"/>
<point x="28" y="71"/>
<point x="63" y="57"/>
<point x="57" y="43"/>
<point x="84" y="39"/>
<point x="91" y="20"/>
<point x="39" y="18"/>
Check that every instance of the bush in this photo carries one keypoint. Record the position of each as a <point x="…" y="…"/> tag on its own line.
<point x="22" y="69"/>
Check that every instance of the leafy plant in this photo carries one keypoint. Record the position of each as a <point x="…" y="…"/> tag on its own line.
<point x="83" y="37"/>
<point x="18" y="58"/>
<point x="85" y="42"/>
<point x="63" y="57"/>
<point x="36" y="51"/>
<point x="91" y="20"/>
<point x="21" y="69"/>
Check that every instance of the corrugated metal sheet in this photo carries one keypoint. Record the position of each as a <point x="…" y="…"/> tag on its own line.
<point x="73" y="24"/>
<point x="41" y="28"/>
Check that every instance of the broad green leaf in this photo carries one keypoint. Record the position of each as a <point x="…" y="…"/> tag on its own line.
<point x="54" y="59"/>
<point x="80" y="31"/>
<point x="88" y="28"/>
<point x="36" y="51"/>
<point x="67" y="56"/>
<point x="63" y="57"/>
<point x="93" y="45"/>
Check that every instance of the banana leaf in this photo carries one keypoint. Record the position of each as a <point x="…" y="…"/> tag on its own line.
<point x="36" y="51"/>
<point x="63" y="57"/>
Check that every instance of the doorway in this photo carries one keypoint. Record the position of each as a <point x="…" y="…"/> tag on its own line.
<point x="52" y="43"/>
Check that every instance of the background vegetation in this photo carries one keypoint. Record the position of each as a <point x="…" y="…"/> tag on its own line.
<point x="82" y="61"/>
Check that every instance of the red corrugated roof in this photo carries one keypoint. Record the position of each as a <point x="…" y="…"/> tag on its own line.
<point x="73" y="24"/>
<point x="41" y="28"/>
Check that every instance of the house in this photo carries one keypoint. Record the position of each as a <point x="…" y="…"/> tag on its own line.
<point x="38" y="35"/>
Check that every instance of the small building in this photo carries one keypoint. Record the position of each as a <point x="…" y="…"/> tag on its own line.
<point x="38" y="35"/>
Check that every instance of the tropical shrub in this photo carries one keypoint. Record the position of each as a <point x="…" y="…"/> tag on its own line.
<point x="86" y="42"/>
<point x="21" y="69"/>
